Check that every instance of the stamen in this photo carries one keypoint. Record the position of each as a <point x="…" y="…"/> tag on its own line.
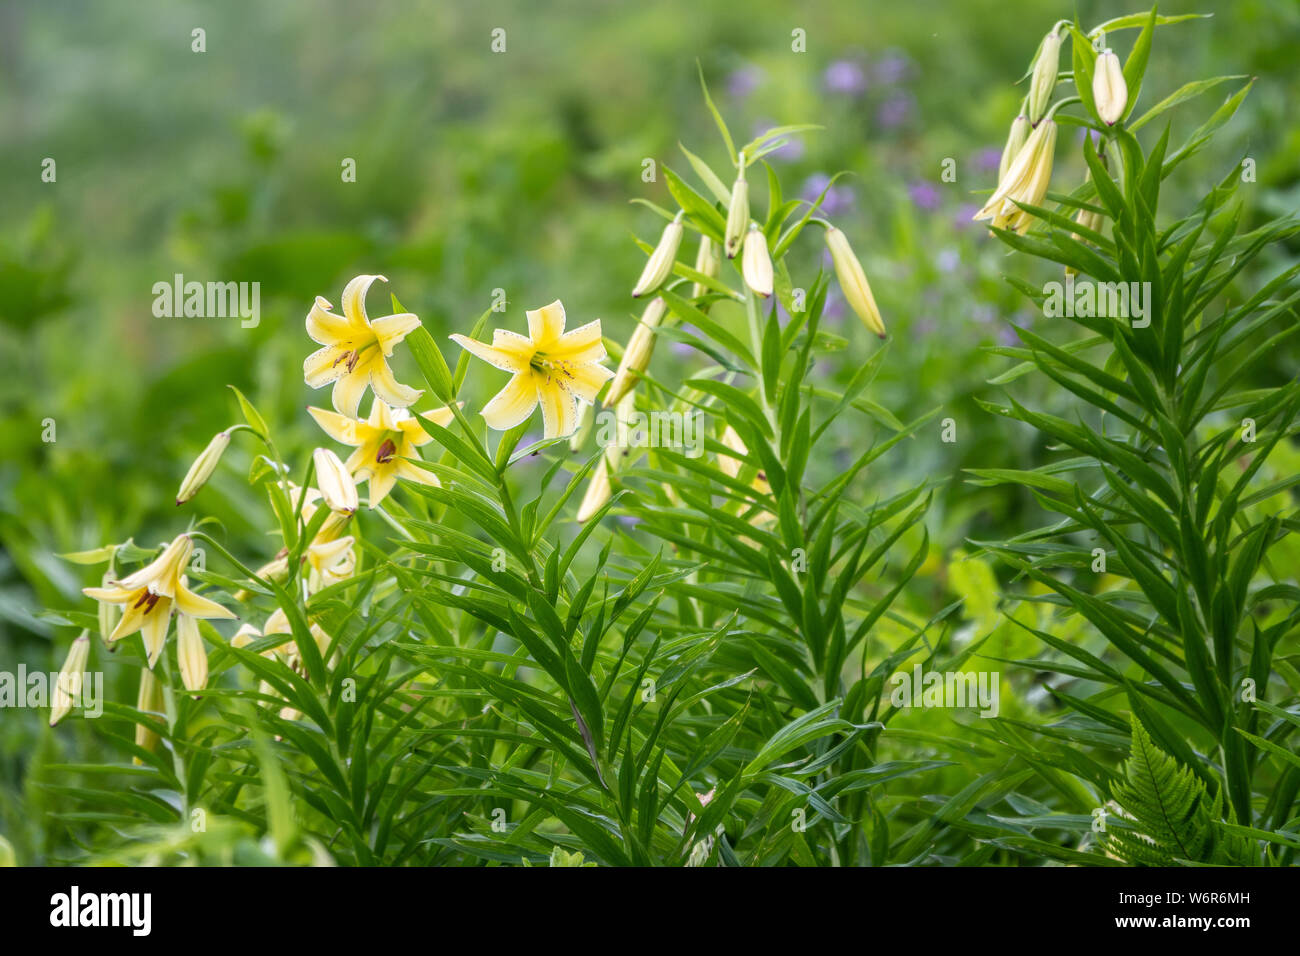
<point x="386" y="452"/>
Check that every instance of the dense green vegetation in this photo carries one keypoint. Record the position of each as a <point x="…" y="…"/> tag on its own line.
<point x="1092" y="514"/>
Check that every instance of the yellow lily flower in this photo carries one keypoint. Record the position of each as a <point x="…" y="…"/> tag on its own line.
<point x="148" y="596"/>
<point x="356" y="350"/>
<point x="329" y="562"/>
<point x="383" y="443"/>
<point x="551" y="367"/>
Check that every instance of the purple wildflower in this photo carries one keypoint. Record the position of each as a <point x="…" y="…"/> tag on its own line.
<point x="845" y="77"/>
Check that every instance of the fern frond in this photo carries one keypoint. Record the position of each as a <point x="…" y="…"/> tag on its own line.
<point x="1168" y="805"/>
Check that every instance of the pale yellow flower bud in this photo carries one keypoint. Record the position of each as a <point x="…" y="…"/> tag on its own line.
<point x="1015" y="142"/>
<point x="731" y="439"/>
<point x="109" y="613"/>
<point x="706" y="263"/>
<point x="660" y="264"/>
<point x="637" y="354"/>
<point x="1109" y="91"/>
<point x="737" y="214"/>
<point x="1025" y="182"/>
<point x="335" y="482"/>
<point x="586" y="421"/>
<point x="600" y="489"/>
<point x="203" y="467"/>
<point x="598" y="492"/>
<point x="67" y="689"/>
<point x="853" y="281"/>
<point x="246" y="635"/>
<point x="1043" y="81"/>
<point x="190" y="653"/>
<point x="756" y="266"/>
<point x="149" y="701"/>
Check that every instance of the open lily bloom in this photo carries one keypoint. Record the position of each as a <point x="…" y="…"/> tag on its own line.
<point x="147" y="597"/>
<point x="356" y="350"/>
<point x="551" y="368"/>
<point x="383" y="443"/>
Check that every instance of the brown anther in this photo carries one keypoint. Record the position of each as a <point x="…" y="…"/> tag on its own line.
<point x="386" y="452"/>
<point x="149" y="598"/>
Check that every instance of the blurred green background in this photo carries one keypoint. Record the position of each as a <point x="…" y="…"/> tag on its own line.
<point x="476" y="171"/>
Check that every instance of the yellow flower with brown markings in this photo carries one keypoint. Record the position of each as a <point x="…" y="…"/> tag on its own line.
<point x="356" y="350"/>
<point x="550" y="367"/>
<point x="148" y="595"/>
<point x="382" y="443"/>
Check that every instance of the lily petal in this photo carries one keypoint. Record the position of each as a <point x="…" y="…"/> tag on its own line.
<point x="410" y="471"/>
<point x="354" y="299"/>
<point x="339" y="427"/>
<point x="322" y="367"/>
<point x="154" y="630"/>
<point x="559" y="410"/>
<point x="391" y="329"/>
<point x="324" y="326"/>
<point x="581" y="346"/>
<point x="546" y="325"/>
<point x="195" y="605"/>
<point x="389" y="388"/>
<point x="348" y="391"/>
<point x="513" y="404"/>
<point x="381" y="483"/>
<point x="511" y="359"/>
<point x="586" y="381"/>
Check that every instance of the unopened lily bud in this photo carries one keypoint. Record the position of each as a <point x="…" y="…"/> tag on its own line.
<point x="706" y="263"/>
<point x="1043" y="81"/>
<point x="190" y="653"/>
<point x="737" y="214"/>
<point x="148" y="701"/>
<point x="637" y="354"/>
<point x="1109" y="91"/>
<point x="757" y="263"/>
<point x="109" y="613"/>
<point x="203" y="467"/>
<point x="598" y="492"/>
<point x="660" y="264"/>
<point x="246" y="635"/>
<point x="1015" y="142"/>
<point x="731" y="439"/>
<point x="335" y="482"/>
<point x="586" y="421"/>
<point x="67" y="689"/>
<point x="853" y="281"/>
